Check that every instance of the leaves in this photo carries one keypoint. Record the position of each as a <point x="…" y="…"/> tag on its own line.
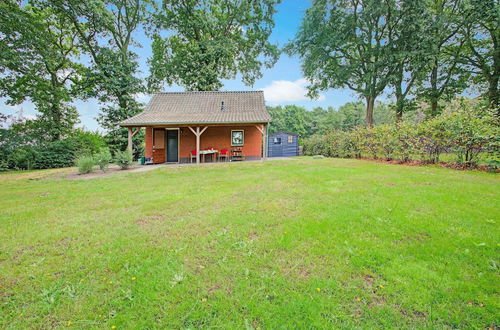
<point x="211" y="41"/>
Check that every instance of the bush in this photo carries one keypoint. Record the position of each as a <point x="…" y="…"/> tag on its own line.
<point x="465" y="130"/>
<point x="19" y="151"/>
<point x="103" y="158"/>
<point x="85" y="164"/>
<point x="123" y="159"/>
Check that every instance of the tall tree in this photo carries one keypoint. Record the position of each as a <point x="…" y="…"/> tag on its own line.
<point x="445" y="77"/>
<point x="411" y="49"/>
<point x="348" y="43"/>
<point x="38" y="62"/>
<point x="481" y="31"/>
<point x="211" y="40"/>
<point x="105" y="31"/>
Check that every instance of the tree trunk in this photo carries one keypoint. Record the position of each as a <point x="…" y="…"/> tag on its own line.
<point x="494" y="94"/>
<point x="370" y="103"/>
<point x="434" y="89"/>
<point x="399" y="107"/>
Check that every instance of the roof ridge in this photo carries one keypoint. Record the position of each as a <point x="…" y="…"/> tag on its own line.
<point x="208" y="92"/>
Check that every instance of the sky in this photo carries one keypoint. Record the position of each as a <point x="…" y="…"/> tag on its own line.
<point x="282" y="84"/>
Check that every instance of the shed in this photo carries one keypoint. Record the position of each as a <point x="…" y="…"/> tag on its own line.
<point x="283" y="144"/>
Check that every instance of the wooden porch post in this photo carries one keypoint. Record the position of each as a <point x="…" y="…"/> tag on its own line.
<point x="198" y="133"/>
<point x="198" y="145"/>
<point x="130" y="136"/>
<point x="263" y="131"/>
<point x="265" y="142"/>
<point x="129" y="144"/>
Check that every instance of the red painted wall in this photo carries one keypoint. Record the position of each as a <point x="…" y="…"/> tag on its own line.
<point x="217" y="137"/>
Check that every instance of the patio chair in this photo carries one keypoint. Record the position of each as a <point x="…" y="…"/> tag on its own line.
<point x="224" y="153"/>
<point x="192" y="155"/>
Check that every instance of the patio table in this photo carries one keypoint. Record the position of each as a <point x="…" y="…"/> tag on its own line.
<point x="211" y="152"/>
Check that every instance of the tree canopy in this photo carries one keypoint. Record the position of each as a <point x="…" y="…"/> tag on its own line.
<point x="39" y="63"/>
<point x="212" y="40"/>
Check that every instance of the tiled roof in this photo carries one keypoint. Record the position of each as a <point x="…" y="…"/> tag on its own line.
<point x="202" y="108"/>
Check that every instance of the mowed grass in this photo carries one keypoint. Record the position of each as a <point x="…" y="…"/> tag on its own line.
<point x="281" y="244"/>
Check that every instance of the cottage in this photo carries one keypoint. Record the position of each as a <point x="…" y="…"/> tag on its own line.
<point x="283" y="144"/>
<point x="202" y="126"/>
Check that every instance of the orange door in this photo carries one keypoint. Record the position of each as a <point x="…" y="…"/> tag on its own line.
<point x="159" y="145"/>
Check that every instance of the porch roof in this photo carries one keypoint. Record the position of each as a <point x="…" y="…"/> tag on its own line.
<point x="178" y="108"/>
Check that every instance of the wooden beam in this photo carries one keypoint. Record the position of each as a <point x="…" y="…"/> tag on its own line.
<point x="260" y="128"/>
<point x="136" y="131"/>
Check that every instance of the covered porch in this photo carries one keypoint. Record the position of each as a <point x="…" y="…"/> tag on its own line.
<point x="198" y="143"/>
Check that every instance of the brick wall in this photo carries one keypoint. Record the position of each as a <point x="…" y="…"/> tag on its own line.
<point x="217" y="137"/>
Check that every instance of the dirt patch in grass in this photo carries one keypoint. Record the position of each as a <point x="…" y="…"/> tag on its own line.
<point x="99" y="174"/>
<point x="419" y="237"/>
<point x="153" y="219"/>
<point x="21" y="251"/>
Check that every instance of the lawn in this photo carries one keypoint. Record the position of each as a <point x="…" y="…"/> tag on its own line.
<point x="282" y="244"/>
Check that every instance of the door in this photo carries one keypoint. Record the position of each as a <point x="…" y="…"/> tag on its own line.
<point x="172" y="146"/>
<point x="159" y="145"/>
<point x="277" y="147"/>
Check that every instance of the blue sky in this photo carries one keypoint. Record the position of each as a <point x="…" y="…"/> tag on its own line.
<point x="282" y="84"/>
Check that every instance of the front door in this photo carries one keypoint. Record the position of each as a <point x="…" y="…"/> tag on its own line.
<point x="159" y="145"/>
<point x="172" y="146"/>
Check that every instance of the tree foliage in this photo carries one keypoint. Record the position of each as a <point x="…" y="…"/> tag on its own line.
<point x="348" y="44"/>
<point x="208" y="41"/>
<point x="295" y="119"/>
<point x="105" y="32"/>
<point x="39" y="63"/>
<point x="481" y="32"/>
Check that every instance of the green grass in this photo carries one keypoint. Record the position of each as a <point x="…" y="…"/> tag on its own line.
<point x="281" y="244"/>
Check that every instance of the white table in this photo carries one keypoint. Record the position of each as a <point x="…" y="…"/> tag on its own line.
<point x="211" y="152"/>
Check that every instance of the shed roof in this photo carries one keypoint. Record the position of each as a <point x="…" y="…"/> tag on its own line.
<point x="284" y="132"/>
<point x="202" y="108"/>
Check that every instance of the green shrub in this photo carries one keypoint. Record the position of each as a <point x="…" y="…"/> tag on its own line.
<point x="406" y="146"/>
<point x="85" y="164"/>
<point x="465" y="130"/>
<point x="385" y="139"/>
<point x="470" y="134"/>
<point x="18" y="150"/>
<point x="123" y="159"/>
<point x="103" y="158"/>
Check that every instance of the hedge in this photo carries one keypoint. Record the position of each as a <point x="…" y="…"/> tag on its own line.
<point x="15" y="153"/>
<point x="466" y="133"/>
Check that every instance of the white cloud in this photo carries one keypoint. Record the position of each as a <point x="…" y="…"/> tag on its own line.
<point x="288" y="91"/>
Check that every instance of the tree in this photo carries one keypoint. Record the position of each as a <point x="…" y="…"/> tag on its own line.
<point x="348" y="43"/>
<point x="38" y="62"/>
<point x="105" y="32"/>
<point x="289" y="118"/>
<point x="412" y="46"/>
<point x="212" y="40"/>
<point x="444" y="77"/>
<point x="481" y="32"/>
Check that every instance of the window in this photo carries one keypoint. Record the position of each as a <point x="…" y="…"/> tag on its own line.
<point x="237" y="138"/>
<point x="277" y="140"/>
<point x="290" y="139"/>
